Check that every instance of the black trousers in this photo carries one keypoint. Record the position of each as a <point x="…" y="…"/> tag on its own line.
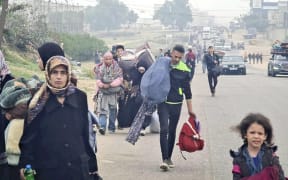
<point x="212" y="80"/>
<point x="169" y="115"/>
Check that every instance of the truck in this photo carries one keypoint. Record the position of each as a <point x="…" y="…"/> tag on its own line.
<point x="251" y="33"/>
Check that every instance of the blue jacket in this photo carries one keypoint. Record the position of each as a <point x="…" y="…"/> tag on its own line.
<point x="209" y="60"/>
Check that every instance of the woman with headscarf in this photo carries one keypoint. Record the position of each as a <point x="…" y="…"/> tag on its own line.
<point x="5" y="74"/>
<point x="55" y="140"/>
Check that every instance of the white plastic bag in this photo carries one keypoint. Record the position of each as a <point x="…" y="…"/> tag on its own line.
<point x="155" y="125"/>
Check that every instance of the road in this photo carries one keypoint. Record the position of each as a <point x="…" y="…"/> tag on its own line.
<point x="236" y="96"/>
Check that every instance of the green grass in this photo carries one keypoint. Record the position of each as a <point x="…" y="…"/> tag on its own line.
<point x="21" y="64"/>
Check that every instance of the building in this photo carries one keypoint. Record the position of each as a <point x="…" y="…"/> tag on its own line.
<point x="60" y="17"/>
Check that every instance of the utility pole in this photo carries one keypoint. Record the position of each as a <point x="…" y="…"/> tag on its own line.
<point x="286" y="22"/>
<point x="3" y="18"/>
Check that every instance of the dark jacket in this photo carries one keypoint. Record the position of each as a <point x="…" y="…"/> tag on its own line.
<point x="180" y="83"/>
<point x="241" y="163"/>
<point x="3" y="157"/>
<point x="7" y="78"/>
<point x="56" y="142"/>
<point x="3" y="124"/>
<point x="209" y="60"/>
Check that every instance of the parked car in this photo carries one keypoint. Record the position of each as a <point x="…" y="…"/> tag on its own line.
<point x="233" y="64"/>
<point x="76" y="63"/>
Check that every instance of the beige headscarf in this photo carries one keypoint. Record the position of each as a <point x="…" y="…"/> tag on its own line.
<point x="41" y="96"/>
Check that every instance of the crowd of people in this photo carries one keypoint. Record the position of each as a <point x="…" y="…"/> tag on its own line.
<point x="47" y="124"/>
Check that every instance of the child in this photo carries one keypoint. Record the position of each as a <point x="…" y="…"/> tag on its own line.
<point x="257" y="155"/>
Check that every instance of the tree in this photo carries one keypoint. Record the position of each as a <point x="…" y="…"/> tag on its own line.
<point x="24" y="28"/>
<point x="109" y="14"/>
<point x="256" y="21"/>
<point x="3" y="15"/>
<point x="176" y="13"/>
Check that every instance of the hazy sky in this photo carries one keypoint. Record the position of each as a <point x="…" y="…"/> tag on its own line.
<point x="221" y="8"/>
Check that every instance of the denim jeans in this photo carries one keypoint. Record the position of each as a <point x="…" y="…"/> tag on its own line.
<point x="169" y="115"/>
<point x="212" y="80"/>
<point x="112" y="118"/>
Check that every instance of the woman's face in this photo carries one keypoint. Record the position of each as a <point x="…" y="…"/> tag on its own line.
<point x="58" y="77"/>
<point x="255" y="136"/>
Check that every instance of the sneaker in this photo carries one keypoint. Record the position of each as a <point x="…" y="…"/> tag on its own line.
<point x="170" y="163"/>
<point x="102" y="131"/>
<point x="213" y="92"/>
<point x="120" y="128"/>
<point x="164" y="166"/>
<point x="143" y="132"/>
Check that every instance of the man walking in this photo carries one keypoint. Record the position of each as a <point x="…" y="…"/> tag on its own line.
<point x="212" y="61"/>
<point x="190" y="62"/>
<point x="169" y="111"/>
<point x="109" y="78"/>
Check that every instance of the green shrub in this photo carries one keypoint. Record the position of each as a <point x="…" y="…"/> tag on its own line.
<point x="81" y="47"/>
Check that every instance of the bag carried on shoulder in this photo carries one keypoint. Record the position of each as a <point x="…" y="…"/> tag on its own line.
<point x="189" y="138"/>
<point x="155" y="83"/>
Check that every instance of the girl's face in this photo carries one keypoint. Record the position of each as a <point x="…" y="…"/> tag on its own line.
<point x="255" y="136"/>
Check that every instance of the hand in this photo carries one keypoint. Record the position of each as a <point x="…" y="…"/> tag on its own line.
<point x="106" y="86"/>
<point x="191" y="113"/>
<point x="22" y="177"/>
<point x="95" y="97"/>
<point x="8" y="116"/>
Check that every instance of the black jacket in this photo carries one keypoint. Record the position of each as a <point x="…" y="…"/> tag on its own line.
<point x="268" y="159"/>
<point x="7" y="78"/>
<point x="180" y="83"/>
<point x="58" y="138"/>
<point x="3" y="124"/>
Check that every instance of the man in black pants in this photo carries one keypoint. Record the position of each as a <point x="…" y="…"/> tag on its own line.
<point x="212" y="60"/>
<point x="169" y="111"/>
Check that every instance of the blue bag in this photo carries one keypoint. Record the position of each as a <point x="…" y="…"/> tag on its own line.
<point x="155" y="83"/>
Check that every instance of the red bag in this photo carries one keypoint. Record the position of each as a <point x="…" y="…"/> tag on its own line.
<point x="189" y="138"/>
<point x="268" y="173"/>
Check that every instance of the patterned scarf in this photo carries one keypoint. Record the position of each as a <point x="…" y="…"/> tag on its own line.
<point x="41" y="96"/>
<point x="4" y="70"/>
<point x="254" y="168"/>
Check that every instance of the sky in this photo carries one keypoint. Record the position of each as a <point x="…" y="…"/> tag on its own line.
<point x="222" y="9"/>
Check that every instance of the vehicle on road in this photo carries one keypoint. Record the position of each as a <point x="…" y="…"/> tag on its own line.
<point x="233" y="64"/>
<point x="227" y="46"/>
<point x="206" y="33"/>
<point x="278" y="63"/>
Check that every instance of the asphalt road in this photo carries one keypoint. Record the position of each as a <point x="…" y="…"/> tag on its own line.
<point x="236" y="96"/>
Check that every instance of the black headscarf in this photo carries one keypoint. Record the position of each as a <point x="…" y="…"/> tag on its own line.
<point x="49" y="49"/>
